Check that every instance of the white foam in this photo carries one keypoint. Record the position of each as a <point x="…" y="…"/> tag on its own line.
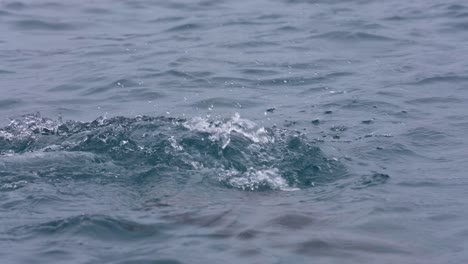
<point x="254" y="179"/>
<point x="28" y="126"/>
<point x="221" y="131"/>
<point x="13" y="185"/>
<point x="174" y="144"/>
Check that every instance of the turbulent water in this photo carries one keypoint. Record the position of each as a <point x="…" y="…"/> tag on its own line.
<point x="269" y="131"/>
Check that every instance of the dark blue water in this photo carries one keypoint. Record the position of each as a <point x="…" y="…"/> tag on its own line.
<point x="269" y="131"/>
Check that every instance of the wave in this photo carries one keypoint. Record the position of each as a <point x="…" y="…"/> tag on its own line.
<point x="234" y="152"/>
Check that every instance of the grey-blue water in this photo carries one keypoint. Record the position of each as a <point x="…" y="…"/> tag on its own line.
<point x="267" y="131"/>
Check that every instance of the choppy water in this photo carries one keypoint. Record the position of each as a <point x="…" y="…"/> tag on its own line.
<point x="269" y="131"/>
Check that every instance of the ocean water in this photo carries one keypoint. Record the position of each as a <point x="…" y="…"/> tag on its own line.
<point x="266" y="131"/>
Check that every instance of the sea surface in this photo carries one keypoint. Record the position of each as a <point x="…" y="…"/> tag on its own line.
<point x="266" y="131"/>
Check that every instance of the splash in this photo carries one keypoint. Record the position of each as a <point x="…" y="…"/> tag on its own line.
<point x="222" y="131"/>
<point x="29" y="126"/>
<point x="234" y="152"/>
<point x="256" y="179"/>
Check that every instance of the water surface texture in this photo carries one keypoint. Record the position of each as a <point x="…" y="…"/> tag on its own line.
<point x="267" y="131"/>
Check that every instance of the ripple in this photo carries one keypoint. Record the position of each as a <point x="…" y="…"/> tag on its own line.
<point x="15" y="5"/>
<point x="65" y="88"/>
<point x="288" y="29"/>
<point x="222" y="102"/>
<point x="97" y="10"/>
<point x="190" y="75"/>
<point x="241" y="22"/>
<point x="136" y="94"/>
<point x="392" y="151"/>
<point x="167" y="19"/>
<point x="426" y="137"/>
<point x="315" y="90"/>
<point x="293" y="221"/>
<point x="259" y="72"/>
<point x="139" y="260"/>
<point x="347" y="248"/>
<point x="463" y="26"/>
<point x="19" y="6"/>
<point x="372" y="180"/>
<point x="292" y="81"/>
<point x="456" y="7"/>
<point x="9" y="103"/>
<point x="462" y="15"/>
<point x="119" y="84"/>
<point x="362" y="104"/>
<point x="250" y="44"/>
<point x="249" y="234"/>
<point x="4" y="13"/>
<point x="210" y="220"/>
<point x="36" y="24"/>
<point x="184" y="27"/>
<point x="441" y="79"/>
<point x="352" y="36"/>
<point x="437" y="100"/>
